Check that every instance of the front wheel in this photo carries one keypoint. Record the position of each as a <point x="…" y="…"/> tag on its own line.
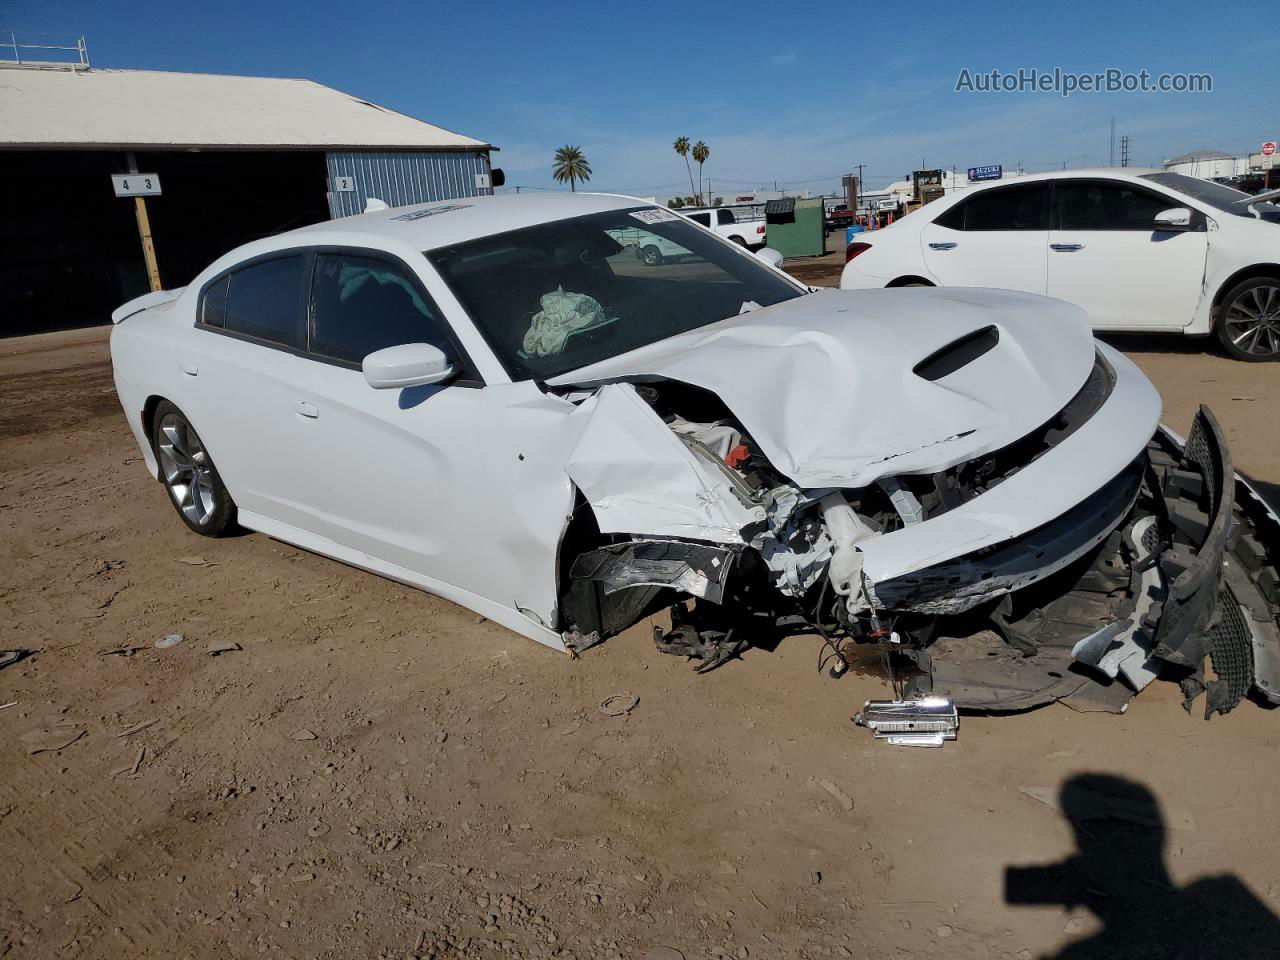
<point x="1248" y="322"/>
<point x="189" y="474"/>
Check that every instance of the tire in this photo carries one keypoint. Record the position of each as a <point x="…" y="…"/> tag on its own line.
<point x="187" y="471"/>
<point x="1248" y="321"/>
<point x="739" y="241"/>
<point x="651" y="255"/>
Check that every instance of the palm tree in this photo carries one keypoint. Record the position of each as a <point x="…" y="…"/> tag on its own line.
<point x="700" y="153"/>
<point x="571" y="165"/>
<point x="682" y="147"/>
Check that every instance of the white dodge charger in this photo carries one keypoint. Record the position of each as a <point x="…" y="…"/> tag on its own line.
<point x="1139" y="250"/>
<point x="496" y="400"/>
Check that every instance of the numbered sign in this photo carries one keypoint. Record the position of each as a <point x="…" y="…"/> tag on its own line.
<point x="482" y="181"/>
<point x="136" y="184"/>
<point x="344" y="184"/>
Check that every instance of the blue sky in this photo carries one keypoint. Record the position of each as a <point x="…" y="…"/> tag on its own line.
<point x="794" y="93"/>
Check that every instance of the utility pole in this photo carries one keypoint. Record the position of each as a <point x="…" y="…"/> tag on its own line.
<point x="1124" y="151"/>
<point x="1111" y="154"/>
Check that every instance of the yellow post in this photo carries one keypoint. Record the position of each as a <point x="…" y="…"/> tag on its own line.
<point x="148" y="248"/>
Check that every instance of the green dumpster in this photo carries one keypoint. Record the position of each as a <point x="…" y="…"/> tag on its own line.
<point x="795" y="227"/>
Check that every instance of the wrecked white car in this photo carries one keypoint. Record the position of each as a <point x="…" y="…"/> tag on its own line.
<point x="496" y="400"/>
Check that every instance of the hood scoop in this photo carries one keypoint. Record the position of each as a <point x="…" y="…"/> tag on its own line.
<point x="956" y="354"/>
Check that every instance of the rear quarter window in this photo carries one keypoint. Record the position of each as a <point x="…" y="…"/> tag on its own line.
<point x="213" y="306"/>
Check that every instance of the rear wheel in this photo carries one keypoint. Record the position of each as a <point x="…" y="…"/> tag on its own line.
<point x="651" y="255"/>
<point x="188" y="473"/>
<point x="739" y="241"/>
<point x="1248" y="323"/>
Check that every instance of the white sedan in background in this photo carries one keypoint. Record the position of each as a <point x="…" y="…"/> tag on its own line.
<point x="1139" y="250"/>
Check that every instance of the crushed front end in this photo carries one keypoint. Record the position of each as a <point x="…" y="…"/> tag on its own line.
<point x="1074" y="564"/>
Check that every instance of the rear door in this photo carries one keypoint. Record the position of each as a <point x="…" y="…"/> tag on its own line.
<point x="996" y="238"/>
<point x="238" y="369"/>
<point x="1106" y="255"/>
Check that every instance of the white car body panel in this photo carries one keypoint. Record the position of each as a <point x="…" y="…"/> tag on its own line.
<point x="1006" y="260"/>
<point x="837" y="352"/>
<point x="1126" y="280"/>
<point x="1079" y="465"/>
<point x="639" y="477"/>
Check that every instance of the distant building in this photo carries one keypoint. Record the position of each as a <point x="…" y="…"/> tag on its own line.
<point x="236" y="157"/>
<point x="1208" y="165"/>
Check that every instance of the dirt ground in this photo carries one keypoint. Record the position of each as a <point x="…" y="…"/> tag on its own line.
<point x="379" y="773"/>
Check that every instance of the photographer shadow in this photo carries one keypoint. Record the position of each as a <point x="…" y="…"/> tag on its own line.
<point x="1120" y="875"/>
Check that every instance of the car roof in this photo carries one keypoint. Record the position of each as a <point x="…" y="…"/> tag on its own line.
<point x="1134" y="174"/>
<point x="426" y="226"/>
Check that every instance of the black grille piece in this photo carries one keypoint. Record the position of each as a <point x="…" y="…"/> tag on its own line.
<point x="1231" y="652"/>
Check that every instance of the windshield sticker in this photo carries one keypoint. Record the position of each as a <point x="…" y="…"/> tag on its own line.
<point x="431" y="211"/>
<point x="654" y="215"/>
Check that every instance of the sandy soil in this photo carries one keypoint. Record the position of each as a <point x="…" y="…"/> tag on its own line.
<point x="378" y="773"/>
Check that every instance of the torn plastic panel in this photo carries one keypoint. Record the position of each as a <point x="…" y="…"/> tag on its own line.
<point x="616" y="584"/>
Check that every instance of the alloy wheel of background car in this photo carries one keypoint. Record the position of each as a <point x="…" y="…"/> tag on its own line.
<point x="1249" y="320"/>
<point x="188" y="473"/>
<point x="651" y="255"/>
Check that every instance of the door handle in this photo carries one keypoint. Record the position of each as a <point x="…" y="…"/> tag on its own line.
<point x="948" y="245"/>
<point x="304" y="409"/>
<point x="189" y="368"/>
<point x="1066" y="247"/>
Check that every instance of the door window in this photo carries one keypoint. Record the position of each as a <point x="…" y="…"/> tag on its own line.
<point x="262" y="301"/>
<point x="1098" y="205"/>
<point x="725" y="216"/>
<point x="1007" y="208"/>
<point x="360" y="304"/>
<point x="702" y="218"/>
<point x="213" y="308"/>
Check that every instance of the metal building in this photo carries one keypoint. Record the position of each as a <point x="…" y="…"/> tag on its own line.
<point x="233" y="158"/>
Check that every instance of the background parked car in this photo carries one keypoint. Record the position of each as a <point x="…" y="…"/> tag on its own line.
<point x="1139" y="250"/>
<point x="726" y="223"/>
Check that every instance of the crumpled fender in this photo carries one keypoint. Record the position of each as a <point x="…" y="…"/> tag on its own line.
<point x="639" y="477"/>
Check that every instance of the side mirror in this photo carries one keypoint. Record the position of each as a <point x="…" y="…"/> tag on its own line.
<point x="408" y="365"/>
<point x="770" y="256"/>
<point x="1174" y="219"/>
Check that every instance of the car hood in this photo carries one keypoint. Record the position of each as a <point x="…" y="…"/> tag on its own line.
<point x="827" y="384"/>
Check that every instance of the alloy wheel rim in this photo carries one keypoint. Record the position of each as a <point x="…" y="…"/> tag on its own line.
<point x="1253" y="321"/>
<point x="188" y="473"/>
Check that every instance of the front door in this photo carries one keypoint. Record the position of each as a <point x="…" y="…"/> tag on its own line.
<point x="1105" y="255"/>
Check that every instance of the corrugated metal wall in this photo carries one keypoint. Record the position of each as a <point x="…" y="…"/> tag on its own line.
<point x="402" y="177"/>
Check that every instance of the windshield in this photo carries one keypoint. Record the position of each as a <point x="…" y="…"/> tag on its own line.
<point x="1224" y="198"/>
<point x="558" y="296"/>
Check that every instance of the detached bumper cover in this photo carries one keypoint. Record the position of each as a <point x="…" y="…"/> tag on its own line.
<point x="1185" y="573"/>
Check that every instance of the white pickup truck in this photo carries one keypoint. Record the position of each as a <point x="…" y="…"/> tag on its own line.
<point x="722" y="220"/>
